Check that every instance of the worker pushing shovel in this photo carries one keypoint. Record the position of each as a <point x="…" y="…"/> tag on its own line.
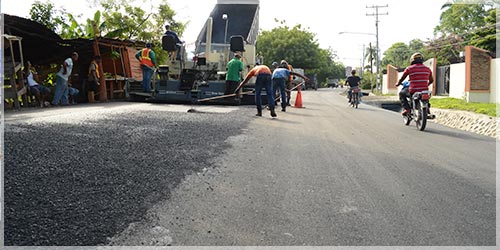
<point x="263" y="74"/>
<point x="280" y="75"/>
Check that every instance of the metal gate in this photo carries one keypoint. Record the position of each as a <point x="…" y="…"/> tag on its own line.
<point x="442" y="83"/>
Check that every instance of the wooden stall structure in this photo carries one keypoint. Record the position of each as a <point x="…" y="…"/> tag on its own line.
<point x="118" y="65"/>
<point x="13" y="65"/>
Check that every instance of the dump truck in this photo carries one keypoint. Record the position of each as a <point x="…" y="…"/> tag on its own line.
<point x="216" y="44"/>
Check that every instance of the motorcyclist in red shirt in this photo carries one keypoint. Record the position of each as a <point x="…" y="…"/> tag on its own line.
<point x="420" y="78"/>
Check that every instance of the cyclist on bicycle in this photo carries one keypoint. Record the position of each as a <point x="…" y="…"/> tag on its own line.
<point x="353" y="82"/>
<point x="420" y="78"/>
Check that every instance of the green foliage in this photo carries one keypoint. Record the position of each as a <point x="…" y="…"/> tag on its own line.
<point x="397" y="55"/>
<point x="47" y="14"/>
<point x="461" y="25"/>
<point x="125" y="21"/>
<point x="460" y="19"/>
<point x="122" y="19"/>
<point x="295" y="45"/>
<point x="485" y="37"/>
<point x="371" y="56"/>
<point x="300" y="48"/>
<point x="368" y="81"/>
<point x="446" y="49"/>
<point x="461" y="104"/>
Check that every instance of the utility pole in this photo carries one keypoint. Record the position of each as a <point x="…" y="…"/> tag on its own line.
<point x="376" y="14"/>
<point x="371" y="59"/>
<point x="362" y="62"/>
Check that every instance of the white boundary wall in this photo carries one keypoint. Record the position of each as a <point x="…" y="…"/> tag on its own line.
<point x="495" y="79"/>
<point x="457" y="80"/>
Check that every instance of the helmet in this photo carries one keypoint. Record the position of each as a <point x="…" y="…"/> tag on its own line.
<point x="283" y="64"/>
<point x="275" y="64"/>
<point x="416" y="58"/>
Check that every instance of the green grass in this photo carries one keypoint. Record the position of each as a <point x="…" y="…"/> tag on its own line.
<point x="459" y="104"/>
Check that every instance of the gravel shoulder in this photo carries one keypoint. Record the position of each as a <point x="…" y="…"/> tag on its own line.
<point x="79" y="176"/>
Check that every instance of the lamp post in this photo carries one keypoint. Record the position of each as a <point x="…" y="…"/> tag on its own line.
<point x="224" y="17"/>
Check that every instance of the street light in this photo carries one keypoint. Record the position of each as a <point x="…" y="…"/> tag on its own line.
<point x="224" y="17"/>
<point x="377" y="50"/>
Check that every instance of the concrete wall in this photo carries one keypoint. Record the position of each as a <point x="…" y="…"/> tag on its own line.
<point x="495" y="80"/>
<point x="390" y="79"/>
<point x="457" y="80"/>
<point x="476" y="80"/>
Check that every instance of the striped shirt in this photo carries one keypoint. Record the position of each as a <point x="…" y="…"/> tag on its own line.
<point x="419" y="77"/>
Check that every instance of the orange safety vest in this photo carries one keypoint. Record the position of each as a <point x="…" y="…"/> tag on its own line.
<point x="96" y="69"/>
<point x="145" y="59"/>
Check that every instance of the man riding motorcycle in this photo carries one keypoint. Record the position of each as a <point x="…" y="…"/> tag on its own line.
<point x="420" y="79"/>
<point x="353" y="82"/>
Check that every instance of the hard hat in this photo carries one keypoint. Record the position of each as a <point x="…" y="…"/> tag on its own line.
<point x="284" y="64"/>
<point x="416" y="58"/>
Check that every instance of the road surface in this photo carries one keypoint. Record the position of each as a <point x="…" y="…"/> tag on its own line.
<point x="324" y="175"/>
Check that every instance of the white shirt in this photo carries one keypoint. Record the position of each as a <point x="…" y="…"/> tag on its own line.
<point x="31" y="81"/>
<point x="68" y="62"/>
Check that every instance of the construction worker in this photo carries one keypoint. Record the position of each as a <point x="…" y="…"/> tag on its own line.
<point x="280" y="75"/>
<point x="263" y="74"/>
<point x="233" y="74"/>
<point x="148" y="62"/>
<point x="94" y="77"/>
<point x="178" y="43"/>
<point x="289" y="84"/>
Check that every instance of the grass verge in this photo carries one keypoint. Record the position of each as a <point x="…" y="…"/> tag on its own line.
<point x="459" y="104"/>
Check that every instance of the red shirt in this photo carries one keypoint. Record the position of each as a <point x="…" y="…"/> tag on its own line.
<point x="419" y="77"/>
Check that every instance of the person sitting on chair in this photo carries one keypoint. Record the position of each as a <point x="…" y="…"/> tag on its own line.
<point x="40" y="92"/>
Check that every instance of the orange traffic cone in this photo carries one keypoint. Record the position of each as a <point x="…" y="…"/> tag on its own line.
<point x="298" y="99"/>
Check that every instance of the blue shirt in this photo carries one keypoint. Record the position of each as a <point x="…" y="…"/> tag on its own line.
<point x="176" y="37"/>
<point x="281" y="73"/>
<point x="406" y="84"/>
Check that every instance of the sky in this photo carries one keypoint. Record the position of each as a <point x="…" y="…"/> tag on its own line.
<point x="405" y="20"/>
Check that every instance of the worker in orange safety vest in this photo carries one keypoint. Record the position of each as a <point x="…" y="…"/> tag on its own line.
<point x="148" y="62"/>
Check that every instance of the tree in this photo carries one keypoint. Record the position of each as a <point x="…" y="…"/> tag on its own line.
<point x="446" y="49"/>
<point x="371" y="55"/>
<point x="124" y="21"/>
<point x="461" y="25"/>
<point x="397" y="55"/>
<point x="298" y="47"/>
<point x="460" y="19"/>
<point x="416" y="45"/>
<point x="485" y="37"/>
<point x="48" y="15"/>
<point x="295" y="45"/>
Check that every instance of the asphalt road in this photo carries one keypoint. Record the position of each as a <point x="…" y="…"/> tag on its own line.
<point x="324" y="175"/>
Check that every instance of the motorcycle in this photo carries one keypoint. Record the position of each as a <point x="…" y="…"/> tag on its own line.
<point x="419" y="110"/>
<point x="355" y="97"/>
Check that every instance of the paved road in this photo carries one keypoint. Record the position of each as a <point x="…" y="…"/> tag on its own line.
<point x="323" y="175"/>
